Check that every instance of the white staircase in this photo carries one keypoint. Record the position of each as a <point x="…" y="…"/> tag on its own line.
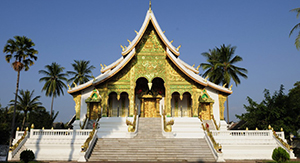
<point x="114" y="127"/>
<point x="150" y="145"/>
<point x="187" y="127"/>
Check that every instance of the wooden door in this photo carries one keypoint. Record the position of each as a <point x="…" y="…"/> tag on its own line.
<point x="150" y="107"/>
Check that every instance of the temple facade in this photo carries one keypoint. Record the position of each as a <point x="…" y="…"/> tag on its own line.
<point x="151" y="79"/>
<point x="149" y="105"/>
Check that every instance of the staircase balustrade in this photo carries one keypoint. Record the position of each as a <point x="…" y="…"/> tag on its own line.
<point x="17" y="146"/>
<point x="215" y="122"/>
<point x="87" y="146"/>
<point x="215" y="147"/>
<point x="86" y="119"/>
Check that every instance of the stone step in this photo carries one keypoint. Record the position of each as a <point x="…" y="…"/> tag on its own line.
<point x="150" y="145"/>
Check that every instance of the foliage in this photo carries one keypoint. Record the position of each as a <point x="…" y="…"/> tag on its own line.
<point x="27" y="155"/>
<point x="54" y="81"/>
<point x="297" y="26"/>
<point x="278" y="110"/>
<point x="41" y="118"/>
<point x="23" y="49"/>
<point x="81" y="72"/>
<point x="5" y="123"/>
<point x="221" y="67"/>
<point x="280" y="155"/>
<point x="27" y="102"/>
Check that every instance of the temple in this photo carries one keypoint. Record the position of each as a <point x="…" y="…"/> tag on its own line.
<point x="149" y="77"/>
<point x="149" y="105"/>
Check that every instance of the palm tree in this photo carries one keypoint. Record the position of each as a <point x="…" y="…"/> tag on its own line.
<point x="211" y="72"/>
<point x="297" y="40"/>
<point x="81" y="73"/>
<point x="22" y="50"/>
<point x="53" y="79"/>
<point x="26" y="103"/>
<point x="221" y="67"/>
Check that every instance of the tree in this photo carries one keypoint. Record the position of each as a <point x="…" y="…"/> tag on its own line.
<point x="297" y="40"/>
<point x="26" y="103"/>
<point x="221" y="68"/>
<point x="81" y="72"/>
<point x="54" y="81"/>
<point x="22" y="50"/>
<point x="41" y="118"/>
<point x="211" y="72"/>
<point x="278" y="110"/>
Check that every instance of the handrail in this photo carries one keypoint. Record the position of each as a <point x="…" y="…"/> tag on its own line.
<point x="84" y="122"/>
<point x="86" y="144"/>
<point x="16" y="147"/>
<point x="216" y="145"/>
<point x="217" y="127"/>
<point x="243" y="133"/>
<point x="281" y="142"/>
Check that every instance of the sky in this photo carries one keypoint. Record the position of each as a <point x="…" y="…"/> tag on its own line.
<point x="64" y="31"/>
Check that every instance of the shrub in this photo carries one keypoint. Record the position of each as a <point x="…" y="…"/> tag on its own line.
<point x="280" y="155"/>
<point x="27" y="155"/>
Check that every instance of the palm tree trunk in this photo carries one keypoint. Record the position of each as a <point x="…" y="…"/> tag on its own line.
<point x="24" y="120"/>
<point x="14" y="115"/>
<point x="51" y="112"/>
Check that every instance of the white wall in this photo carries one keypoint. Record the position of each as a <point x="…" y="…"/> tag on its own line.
<point x="216" y="109"/>
<point x="84" y="95"/>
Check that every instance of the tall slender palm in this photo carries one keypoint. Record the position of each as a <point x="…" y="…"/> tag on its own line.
<point x="221" y="67"/>
<point x="297" y="40"/>
<point x="54" y="81"/>
<point x="21" y="49"/>
<point x="27" y="102"/>
<point x="81" y="72"/>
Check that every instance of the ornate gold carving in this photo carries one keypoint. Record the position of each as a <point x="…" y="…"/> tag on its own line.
<point x="69" y="87"/>
<point x="123" y="49"/>
<point x="177" y="49"/>
<point x="206" y="78"/>
<point x="85" y="145"/>
<point x="75" y="84"/>
<point x="286" y="145"/>
<point x="131" y="125"/>
<point x="198" y="68"/>
<point x="217" y="146"/>
<point x="222" y="100"/>
<point x="230" y="87"/>
<point x="77" y="99"/>
<point x="167" y="125"/>
<point x="19" y="141"/>
<point x="224" y="85"/>
<point x="101" y="67"/>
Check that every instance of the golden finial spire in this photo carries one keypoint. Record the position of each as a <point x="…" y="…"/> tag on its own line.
<point x="150" y="5"/>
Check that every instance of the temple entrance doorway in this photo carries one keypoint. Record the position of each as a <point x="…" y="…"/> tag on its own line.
<point x="149" y="96"/>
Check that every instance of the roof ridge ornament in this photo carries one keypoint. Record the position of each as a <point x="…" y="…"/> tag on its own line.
<point x="150" y="6"/>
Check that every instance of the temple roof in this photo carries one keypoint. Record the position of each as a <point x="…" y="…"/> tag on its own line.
<point x="150" y="17"/>
<point x="129" y="52"/>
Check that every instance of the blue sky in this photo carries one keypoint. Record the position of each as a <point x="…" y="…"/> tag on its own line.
<point x="67" y="30"/>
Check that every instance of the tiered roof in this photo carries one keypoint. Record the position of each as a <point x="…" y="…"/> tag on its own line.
<point x="129" y="52"/>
